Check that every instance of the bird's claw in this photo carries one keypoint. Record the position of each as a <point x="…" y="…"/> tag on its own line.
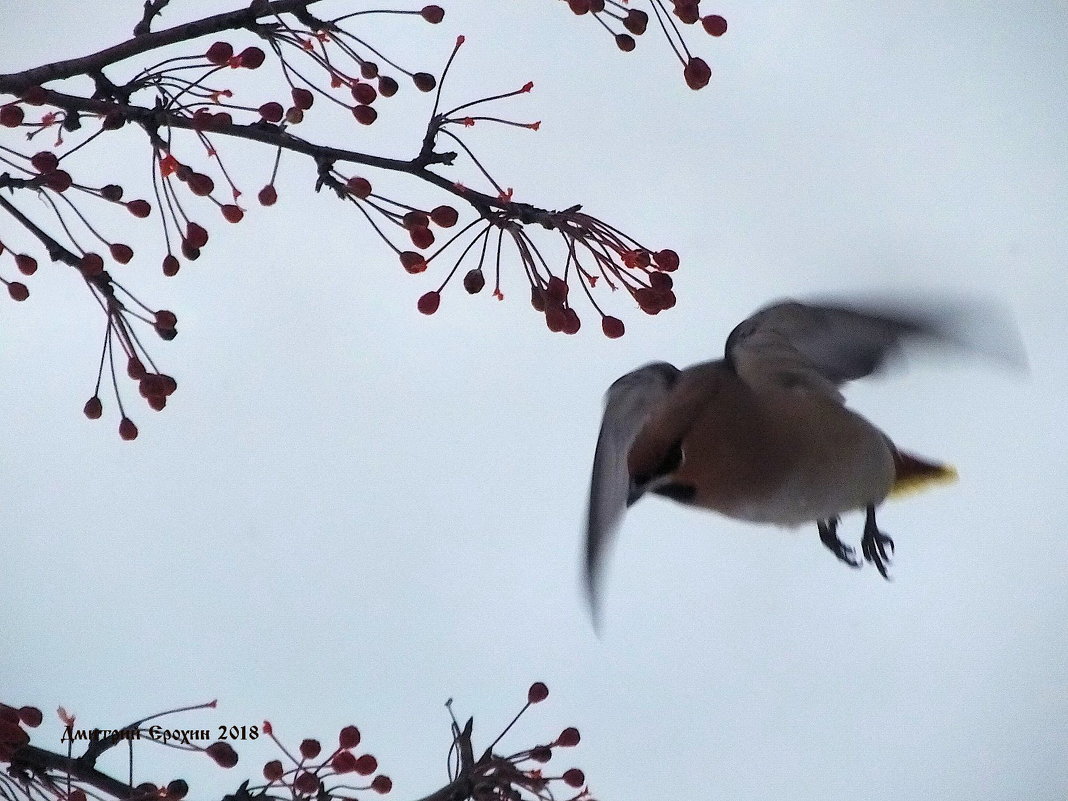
<point x="874" y="545"/>
<point x="828" y="536"/>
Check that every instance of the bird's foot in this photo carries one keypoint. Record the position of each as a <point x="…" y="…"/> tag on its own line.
<point x="829" y="536"/>
<point x="874" y="544"/>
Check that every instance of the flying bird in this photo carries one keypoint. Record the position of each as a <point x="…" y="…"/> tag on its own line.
<point x="763" y="434"/>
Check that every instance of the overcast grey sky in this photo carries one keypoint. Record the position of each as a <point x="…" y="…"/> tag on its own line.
<point x="350" y="512"/>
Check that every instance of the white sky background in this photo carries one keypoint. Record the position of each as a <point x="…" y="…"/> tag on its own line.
<point x="350" y="512"/>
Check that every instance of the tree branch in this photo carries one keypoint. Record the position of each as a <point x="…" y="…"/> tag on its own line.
<point x="39" y="760"/>
<point x="17" y="82"/>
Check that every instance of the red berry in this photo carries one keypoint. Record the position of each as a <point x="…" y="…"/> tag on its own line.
<point x="121" y="253"/>
<point x="667" y="260"/>
<point x="167" y="319"/>
<point x="572" y="323"/>
<point x="387" y="87"/>
<point x="232" y="213"/>
<point x="697" y="73"/>
<point x="306" y="783"/>
<point x="636" y="21"/>
<point x="445" y="216"/>
<point x="364" y="93"/>
<point x="196" y="235"/>
<point x="557" y="289"/>
<point x="45" y="161"/>
<point x="537" y="298"/>
<point x="27" y="264"/>
<point x="537" y="693"/>
<point x="309" y="749"/>
<point x="660" y="280"/>
<point x="272" y="112"/>
<point x="366" y="764"/>
<point x="568" y="737"/>
<point x="368" y="69"/>
<point x="686" y="10"/>
<point x="170" y="265"/>
<point x="349" y="737"/>
<point x="428" y="304"/>
<point x="91" y="264"/>
<point x="112" y="192"/>
<point x="30" y="716"/>
<point x="139" y="208"/>
<point x="433" y="14"/>
<point x="201" y="184"/>
<point x="223" y="754"/>
<point x="302" y="98"/>
<point x="343" y="762"/>
<point x="423" y="81"/>
<point x="541" y="753"/>
<point x="412" y="261"/>
<point x="360" y="187"/>
<point x="76" y="795"/>
<point x="714" y="25"/>
<point x="474" y="281"/>
<point x="58" y="181"/>
<point x="272" y="771"/>
<point x="579" y="6"/>
<point x="294" y="116"/>
<point x="11" y="116"/>
<point x="157" y="402"/>
<point x="382" y="784"/>
<point x="574" y="777"/>
<point x="625" y="42"/>
<point x="18" y="290"/>
<point x="177" y="789"/>
<point x="555" y="317"/>
<point x="415" y="219"/>
<point x="128" y="431"/>
<point x="612" y="327"/>
<point x="135" y="368"/>
<point x="648" y="300"/>
<point x="219" y="53"/>
<point x="251" y="57"/>
<point x="365" y="115"/>
<point x="421" y="237"/>
<point x="268" y="196"/>
<point x="93" y="408"/>
<point x="150" y="386"/>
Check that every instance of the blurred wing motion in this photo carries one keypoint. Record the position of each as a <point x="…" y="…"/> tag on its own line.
<point x="628" y="405"/>
<point x="822" y="347"/>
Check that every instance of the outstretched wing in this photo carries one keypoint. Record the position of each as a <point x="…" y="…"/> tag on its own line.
<point x="820" y="347"/>
<point x="628" y="405"/>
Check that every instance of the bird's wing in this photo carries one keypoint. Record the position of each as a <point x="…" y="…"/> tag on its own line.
<point x="628" y="405"/>
<point x="821" y="347"/>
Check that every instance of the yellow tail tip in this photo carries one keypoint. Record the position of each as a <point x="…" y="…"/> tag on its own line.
<point x="915" y="474"/>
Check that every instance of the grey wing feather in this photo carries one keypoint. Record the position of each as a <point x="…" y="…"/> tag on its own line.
<point x="628" y="404"/>
<point x="822" y="347"/>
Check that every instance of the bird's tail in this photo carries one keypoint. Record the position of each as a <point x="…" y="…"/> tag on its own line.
<point x="913" y="474"/>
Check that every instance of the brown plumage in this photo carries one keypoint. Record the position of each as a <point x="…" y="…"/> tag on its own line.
<point x="763" y="435"/>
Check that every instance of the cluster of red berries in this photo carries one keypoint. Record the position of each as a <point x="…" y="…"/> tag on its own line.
<point x="696" y="71"/>
<point x="13" y="735"/>
<point x="519" y="776"/>
<point x="308" y="775"/>
<point x="27" y="265"/>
